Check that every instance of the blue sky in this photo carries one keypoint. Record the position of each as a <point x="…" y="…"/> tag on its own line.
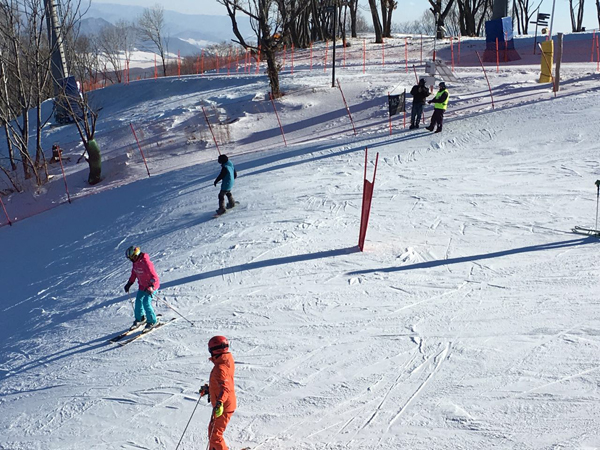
<point x="407" y="10"/>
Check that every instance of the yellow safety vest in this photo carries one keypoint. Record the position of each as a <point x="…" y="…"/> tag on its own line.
<point x="444" y="104"/>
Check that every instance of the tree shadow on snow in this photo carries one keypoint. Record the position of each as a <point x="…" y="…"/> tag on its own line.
<point x="464" y="259"/>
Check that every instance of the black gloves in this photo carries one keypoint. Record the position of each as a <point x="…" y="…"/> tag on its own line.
<point x="204" y="391"/>
<point x="128" y="286"/>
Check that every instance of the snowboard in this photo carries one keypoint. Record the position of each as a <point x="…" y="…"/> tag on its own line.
<point x="228" y="209"/>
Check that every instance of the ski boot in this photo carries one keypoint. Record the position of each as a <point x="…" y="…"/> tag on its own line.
<point x="149" y="326"/>
<point x="138" y="323"/>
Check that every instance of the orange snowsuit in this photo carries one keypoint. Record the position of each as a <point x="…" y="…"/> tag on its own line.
<point x="221" y="388"/>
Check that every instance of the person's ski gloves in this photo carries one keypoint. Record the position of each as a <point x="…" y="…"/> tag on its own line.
<point x="150" y="290"/>
<point x="218" y="410"/>
<point x="204" y="391"/>
<point x="128" y="286"/>
<point x="598" y="183"/>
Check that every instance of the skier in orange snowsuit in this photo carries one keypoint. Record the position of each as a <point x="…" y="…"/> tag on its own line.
<point x="221" y="391"/>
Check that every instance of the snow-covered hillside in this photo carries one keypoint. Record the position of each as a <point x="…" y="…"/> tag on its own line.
<point x="470" y="321"/>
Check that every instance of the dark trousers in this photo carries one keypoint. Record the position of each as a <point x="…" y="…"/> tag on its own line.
<point x="230" y="199"/>
<point x="416" y="113"/>
<point x="437" y="118"/>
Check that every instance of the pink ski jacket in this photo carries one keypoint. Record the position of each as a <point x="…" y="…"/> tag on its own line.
<point x="143" y="271"/>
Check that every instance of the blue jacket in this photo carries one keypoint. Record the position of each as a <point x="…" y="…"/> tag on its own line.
<point x="227" y="175"/>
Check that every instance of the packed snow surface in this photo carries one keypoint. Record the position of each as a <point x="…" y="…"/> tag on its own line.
<point x="470" y="320"/>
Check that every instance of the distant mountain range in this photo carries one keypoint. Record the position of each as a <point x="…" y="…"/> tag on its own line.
<point x="186" y="33"/>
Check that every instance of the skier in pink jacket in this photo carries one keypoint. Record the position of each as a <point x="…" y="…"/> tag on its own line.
<point x="148" y="284"/>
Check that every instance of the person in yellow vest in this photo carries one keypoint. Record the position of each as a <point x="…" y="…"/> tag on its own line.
<point x="440" y="102"/>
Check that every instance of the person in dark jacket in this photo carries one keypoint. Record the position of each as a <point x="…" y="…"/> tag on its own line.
<point x="226" y="176"/>
<point x="419" y="93"/>
<point x="440" y="102"/>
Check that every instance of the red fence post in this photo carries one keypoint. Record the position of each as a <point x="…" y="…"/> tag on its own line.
<point x="486" y="79"/>
<point x="5" y="213"/>
<point x="364" y="54"/>
<point x="497" y="57"/>
<point x="347" y="109"/>
<point x="140" y="147"/>
<point x="211" y="130"/>
<point x="366" y="202"/>
<point x="277" y="115"/>
<point x="63" y="174"/>
<point x="406" y="53"/>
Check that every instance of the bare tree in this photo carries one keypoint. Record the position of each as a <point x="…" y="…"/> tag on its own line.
<point x="387" y="8"/>
<point x="25" y="62"/>
<point x="598" y="10"/>
<point x="354" y="17"/>
<point x="377" y="27"/>
<point x="440" y="11"/>
<point x="266" y="23"/>
<point x="152" y="28"/>
<point x="524" y="10"/>
<point x="576" y="10"/>
<point x="471" y="14"/>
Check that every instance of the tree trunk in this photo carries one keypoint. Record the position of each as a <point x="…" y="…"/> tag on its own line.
<point x="353" y="4"/>
<point x="376" y="22"/>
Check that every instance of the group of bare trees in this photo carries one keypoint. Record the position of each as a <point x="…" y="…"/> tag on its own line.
<point x="27" y="80"/>
<point x="25" y="74"/>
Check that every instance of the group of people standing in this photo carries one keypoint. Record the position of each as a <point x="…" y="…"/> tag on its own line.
<point x="220" y="388"/>
<point x="420" y="92"/>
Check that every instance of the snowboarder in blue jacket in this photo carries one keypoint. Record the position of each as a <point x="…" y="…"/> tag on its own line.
<point x="226" y="177"/>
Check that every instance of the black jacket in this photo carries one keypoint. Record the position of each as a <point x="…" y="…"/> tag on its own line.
<point x="419" y="93"/>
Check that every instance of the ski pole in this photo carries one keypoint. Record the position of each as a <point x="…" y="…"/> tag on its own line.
<point x="597" y="197"/>
<point x="132" y="304"/>
<point x="167" y="303"/>
<point x="188" y="424"/>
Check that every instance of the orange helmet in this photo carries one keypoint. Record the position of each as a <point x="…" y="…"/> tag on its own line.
<point x="218" y="345"/>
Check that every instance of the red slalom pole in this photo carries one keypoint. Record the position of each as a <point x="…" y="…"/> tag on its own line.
<point x="211" y="130"/>
<point x="279" y="121"/>
<point x="140" y="147"/>
<point x="5" y="213"/>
